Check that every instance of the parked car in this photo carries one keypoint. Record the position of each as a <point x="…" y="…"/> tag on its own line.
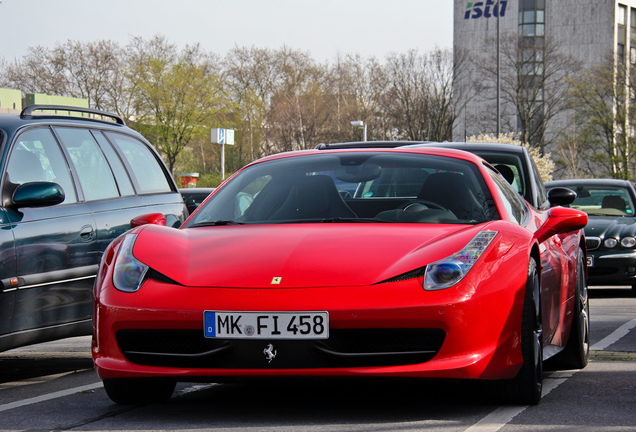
<point x="70" y="184"/>
<point x="389" y="262"/>
<point x="514" y="162"/>
<point x="611" y="230"/>
<point x="193" y="197"/>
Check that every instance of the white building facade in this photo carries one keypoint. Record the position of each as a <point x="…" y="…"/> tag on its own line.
<point x="589" y="31"/>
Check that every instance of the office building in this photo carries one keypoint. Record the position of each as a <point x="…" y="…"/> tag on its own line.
<point x="587" y="31"/>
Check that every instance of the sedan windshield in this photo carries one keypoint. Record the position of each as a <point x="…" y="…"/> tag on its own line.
<point x="604" y="201"/>
<point x="352" y="187"/>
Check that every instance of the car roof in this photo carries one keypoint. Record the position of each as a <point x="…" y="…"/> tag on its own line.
<point x="473" y="146"/>
<point x="466" y="146"/>
<point x="367" y="144"/>
<point x="196" y="190"/>
<point x="426" y="150"/>
<point x="588" y="182"/>
<point x="49" y="114"/>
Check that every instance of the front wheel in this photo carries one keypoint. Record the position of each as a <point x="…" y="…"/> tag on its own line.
<point x="575" y="355"/>
<point x="527" y="386"/>
<point x="139" y="390"/>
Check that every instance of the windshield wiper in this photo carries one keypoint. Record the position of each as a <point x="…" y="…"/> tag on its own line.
<point x="354" y="220"/>
<point x="220" y="222"/>
<point x="329" y="220"/>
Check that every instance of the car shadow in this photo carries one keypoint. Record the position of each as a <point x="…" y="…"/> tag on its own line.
<point x="613" y="292"/>
<point x="21" y="368"/>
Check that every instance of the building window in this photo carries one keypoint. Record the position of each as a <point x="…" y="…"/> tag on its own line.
<point x="532" y="28"/>
<point x="532" y="18"/>
<point x="632" y="21"/>
<point x="622" y="11"/>
<point x="632" y="55"/>
<point x="620" y="52"/>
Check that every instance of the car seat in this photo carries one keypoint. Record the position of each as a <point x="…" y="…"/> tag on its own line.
<point x="313" y="197"/>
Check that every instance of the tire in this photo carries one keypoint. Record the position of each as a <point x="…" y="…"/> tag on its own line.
<point x="527" y="386"/>
<point x="575" y="355"/>
<point x="127" y="391"/>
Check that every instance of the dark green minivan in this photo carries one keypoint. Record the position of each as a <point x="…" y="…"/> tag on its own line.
<point x="71" y="181"/>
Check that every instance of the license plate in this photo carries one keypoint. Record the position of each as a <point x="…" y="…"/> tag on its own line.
<point x="590" y="261"/>
<point x="266" y="325"/>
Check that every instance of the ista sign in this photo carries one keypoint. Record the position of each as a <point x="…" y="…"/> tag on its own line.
<point x="487" y="9"/>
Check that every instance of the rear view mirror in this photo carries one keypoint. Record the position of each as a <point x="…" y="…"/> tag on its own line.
<point x="358" y="173"/>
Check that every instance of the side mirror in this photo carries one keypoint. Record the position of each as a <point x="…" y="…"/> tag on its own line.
<point x="560" y="196"/>
<point x="37" y="194"/>
<point x="561" y="220"/>
<point x="148" y="219"/>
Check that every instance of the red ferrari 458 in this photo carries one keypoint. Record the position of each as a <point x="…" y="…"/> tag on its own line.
<point x="414" y="263"/>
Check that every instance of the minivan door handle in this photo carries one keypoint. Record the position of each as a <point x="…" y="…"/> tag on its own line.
<point x="86" y="233"/>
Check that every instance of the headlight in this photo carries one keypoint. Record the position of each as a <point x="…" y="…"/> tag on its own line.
<point x="628" y="242"/>
<point x="449" y="271"/>
<point x="610" y="243"/>
<point x="129" y="272"/>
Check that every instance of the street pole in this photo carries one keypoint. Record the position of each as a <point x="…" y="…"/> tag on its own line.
<point x="498" y="80"/>
<point x="222" y="161"/>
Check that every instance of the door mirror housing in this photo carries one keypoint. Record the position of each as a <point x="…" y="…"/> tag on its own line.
<point x="561" y="220"/>
<point x="37" y="194"/>
<point x="560" y="196"/>
<point x="148" y="219"/>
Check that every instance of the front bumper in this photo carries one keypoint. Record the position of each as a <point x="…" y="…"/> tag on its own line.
<point x="611" y="268"/>
<point x="390" y="330"/>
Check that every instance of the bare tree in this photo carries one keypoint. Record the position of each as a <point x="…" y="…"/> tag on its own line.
<point x="602" y="98"/>
<point x="533" y="76"/>
<point x="355" y="87"/>
<point x="252" y="77"/>
<point x="298" y="114"/>
<point x="419" y="96"/>
<point x="275" y="99"/>
<point x="86" y="70"/>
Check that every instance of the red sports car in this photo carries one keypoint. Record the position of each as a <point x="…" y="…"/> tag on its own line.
<point x="415" y="263"/>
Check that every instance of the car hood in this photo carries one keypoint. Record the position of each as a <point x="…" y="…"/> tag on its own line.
<point x="301" y="255"/>
<point x="604" y="226"/>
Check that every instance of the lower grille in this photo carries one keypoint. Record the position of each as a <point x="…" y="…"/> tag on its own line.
<point x="344" y="348"/>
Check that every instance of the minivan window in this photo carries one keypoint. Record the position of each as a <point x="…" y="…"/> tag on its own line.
<point x="36" y="156"/>
<point x="145" y="169"/>
<point x="95" y="175"/>
<point x="121" y="175"/>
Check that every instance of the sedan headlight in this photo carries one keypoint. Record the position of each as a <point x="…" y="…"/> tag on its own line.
<point x="610" y="243"/>
<point x="129" y="272"/>
<point x="628" y="242"/>
<point x="449" y="271"/>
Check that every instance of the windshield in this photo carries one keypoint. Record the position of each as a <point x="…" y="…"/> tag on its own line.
<point x="352" y="187"/>
<point x="603" y="201"/>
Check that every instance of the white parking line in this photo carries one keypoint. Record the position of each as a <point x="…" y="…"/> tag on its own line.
<point x="614" y="337"/>
<point x="502" y="415"/>
<point x="491" y="423"/>
<point x="49" y="396"/>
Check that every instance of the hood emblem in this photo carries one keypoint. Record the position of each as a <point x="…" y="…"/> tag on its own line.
<point x="276" y="281"/>
<point x="270" y="353"/>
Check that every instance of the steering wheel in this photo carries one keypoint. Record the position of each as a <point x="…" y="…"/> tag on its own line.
<point x="416" y="205"/>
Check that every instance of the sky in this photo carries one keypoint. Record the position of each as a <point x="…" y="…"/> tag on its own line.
<point x="324" y="28"/>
